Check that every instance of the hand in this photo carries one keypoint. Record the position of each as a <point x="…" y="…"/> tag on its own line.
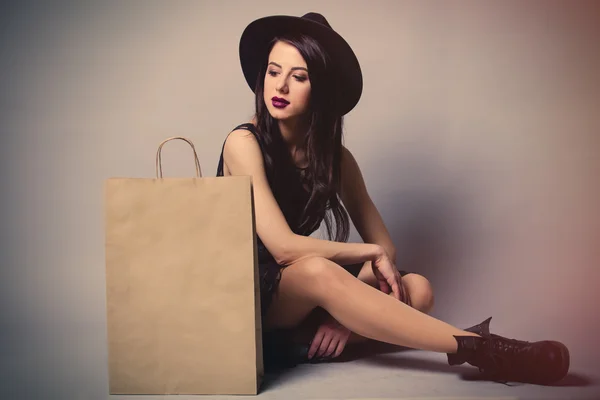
<point x="389" y="279"/>
<point x="330" y="339"/>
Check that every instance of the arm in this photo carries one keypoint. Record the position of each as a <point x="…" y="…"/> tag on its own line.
<point x="243" y="156"/>
<point x="360" y="207"/>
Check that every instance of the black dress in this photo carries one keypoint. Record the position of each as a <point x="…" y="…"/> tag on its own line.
<point x="277" y="348"/>
<point x="269" y="270"/>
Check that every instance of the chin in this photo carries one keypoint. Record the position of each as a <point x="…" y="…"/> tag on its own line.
<point x="278" y="114"/>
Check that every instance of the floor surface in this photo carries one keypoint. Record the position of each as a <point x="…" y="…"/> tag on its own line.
<point x="78" y="371"/>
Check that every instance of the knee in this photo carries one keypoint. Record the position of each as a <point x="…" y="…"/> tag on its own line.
<point x="317" y="269"/>
<point x="420" y="292"/>
<point x="320" y="274"/>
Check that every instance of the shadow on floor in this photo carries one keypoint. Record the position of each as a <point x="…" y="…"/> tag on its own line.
<point x="466" y="372"/>
<point x="375" y="353"/>
<point x="571" y="380"/>
<point x="276" y="376"/>
<point x="371" y="352"/>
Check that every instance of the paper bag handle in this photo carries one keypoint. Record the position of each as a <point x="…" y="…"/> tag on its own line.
<point x="159" y="173"/>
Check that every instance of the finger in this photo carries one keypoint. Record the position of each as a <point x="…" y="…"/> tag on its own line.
<point x="324" y="344"/>
<point x="406" y="295"/>
<point x="341" y="346"/>
<point x="402" y="292"/>
<point x="384" y="287"/>
<point x="332" y="346"/>
<point x="402" y="289"/>
<point x="395" y="289"/>
<point x="316" y="342"/>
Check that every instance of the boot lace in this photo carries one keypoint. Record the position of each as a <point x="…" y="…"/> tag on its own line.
<point x="507" y="346"/>
<point x="502" y="354"/>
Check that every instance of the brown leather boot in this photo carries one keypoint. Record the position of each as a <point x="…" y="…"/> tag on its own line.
<point x="504" y="359"/>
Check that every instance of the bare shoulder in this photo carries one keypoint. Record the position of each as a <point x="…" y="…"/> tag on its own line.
<point x="349" y="165"/>
<point x="243" y="157"/>
<point x="353" y="189"/>
<point x="241" y="153"/>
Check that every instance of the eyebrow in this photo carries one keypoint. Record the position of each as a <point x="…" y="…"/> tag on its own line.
<point x="293" y="69"/>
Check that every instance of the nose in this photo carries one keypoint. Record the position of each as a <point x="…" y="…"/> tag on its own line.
<point x="281" y="85"/>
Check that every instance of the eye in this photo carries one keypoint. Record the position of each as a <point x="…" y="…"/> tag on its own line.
<point x="300" y="78"/>
<point x="272" y="73"/>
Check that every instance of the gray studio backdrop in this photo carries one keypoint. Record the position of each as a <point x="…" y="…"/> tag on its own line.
<point x="477" y="135"/>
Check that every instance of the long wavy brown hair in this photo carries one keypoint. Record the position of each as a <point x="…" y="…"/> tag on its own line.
<point x="322" y="144"/>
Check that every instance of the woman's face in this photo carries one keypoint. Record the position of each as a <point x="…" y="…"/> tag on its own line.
<point x="286" y="85"/>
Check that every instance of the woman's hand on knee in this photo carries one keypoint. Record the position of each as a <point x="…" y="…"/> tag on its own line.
<point x="330" y="339"/>
<point x="389" y="279"/>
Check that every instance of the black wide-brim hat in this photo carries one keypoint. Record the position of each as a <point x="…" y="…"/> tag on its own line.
<point x="256" y="38"/>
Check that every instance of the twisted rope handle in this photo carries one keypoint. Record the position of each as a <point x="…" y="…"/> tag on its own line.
<point x="159" y="173"/>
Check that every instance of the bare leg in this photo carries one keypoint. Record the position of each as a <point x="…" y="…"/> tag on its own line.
<point x="417" y="287"/>
<point x="318" y="282"/>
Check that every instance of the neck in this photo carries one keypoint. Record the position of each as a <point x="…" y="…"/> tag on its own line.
<point x="293" y="132"/>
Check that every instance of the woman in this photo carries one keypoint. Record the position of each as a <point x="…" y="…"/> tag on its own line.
<point x="306" y="78"/>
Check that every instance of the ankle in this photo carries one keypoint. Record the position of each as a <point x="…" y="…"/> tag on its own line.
<point x="461" y="343"/>
<point x="467" y="333"/>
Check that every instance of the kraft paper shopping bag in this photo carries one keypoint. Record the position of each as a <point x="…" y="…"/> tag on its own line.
<point x="183" y="299"/>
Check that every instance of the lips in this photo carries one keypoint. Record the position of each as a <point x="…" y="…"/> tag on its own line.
<point x="279" y="102"/>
